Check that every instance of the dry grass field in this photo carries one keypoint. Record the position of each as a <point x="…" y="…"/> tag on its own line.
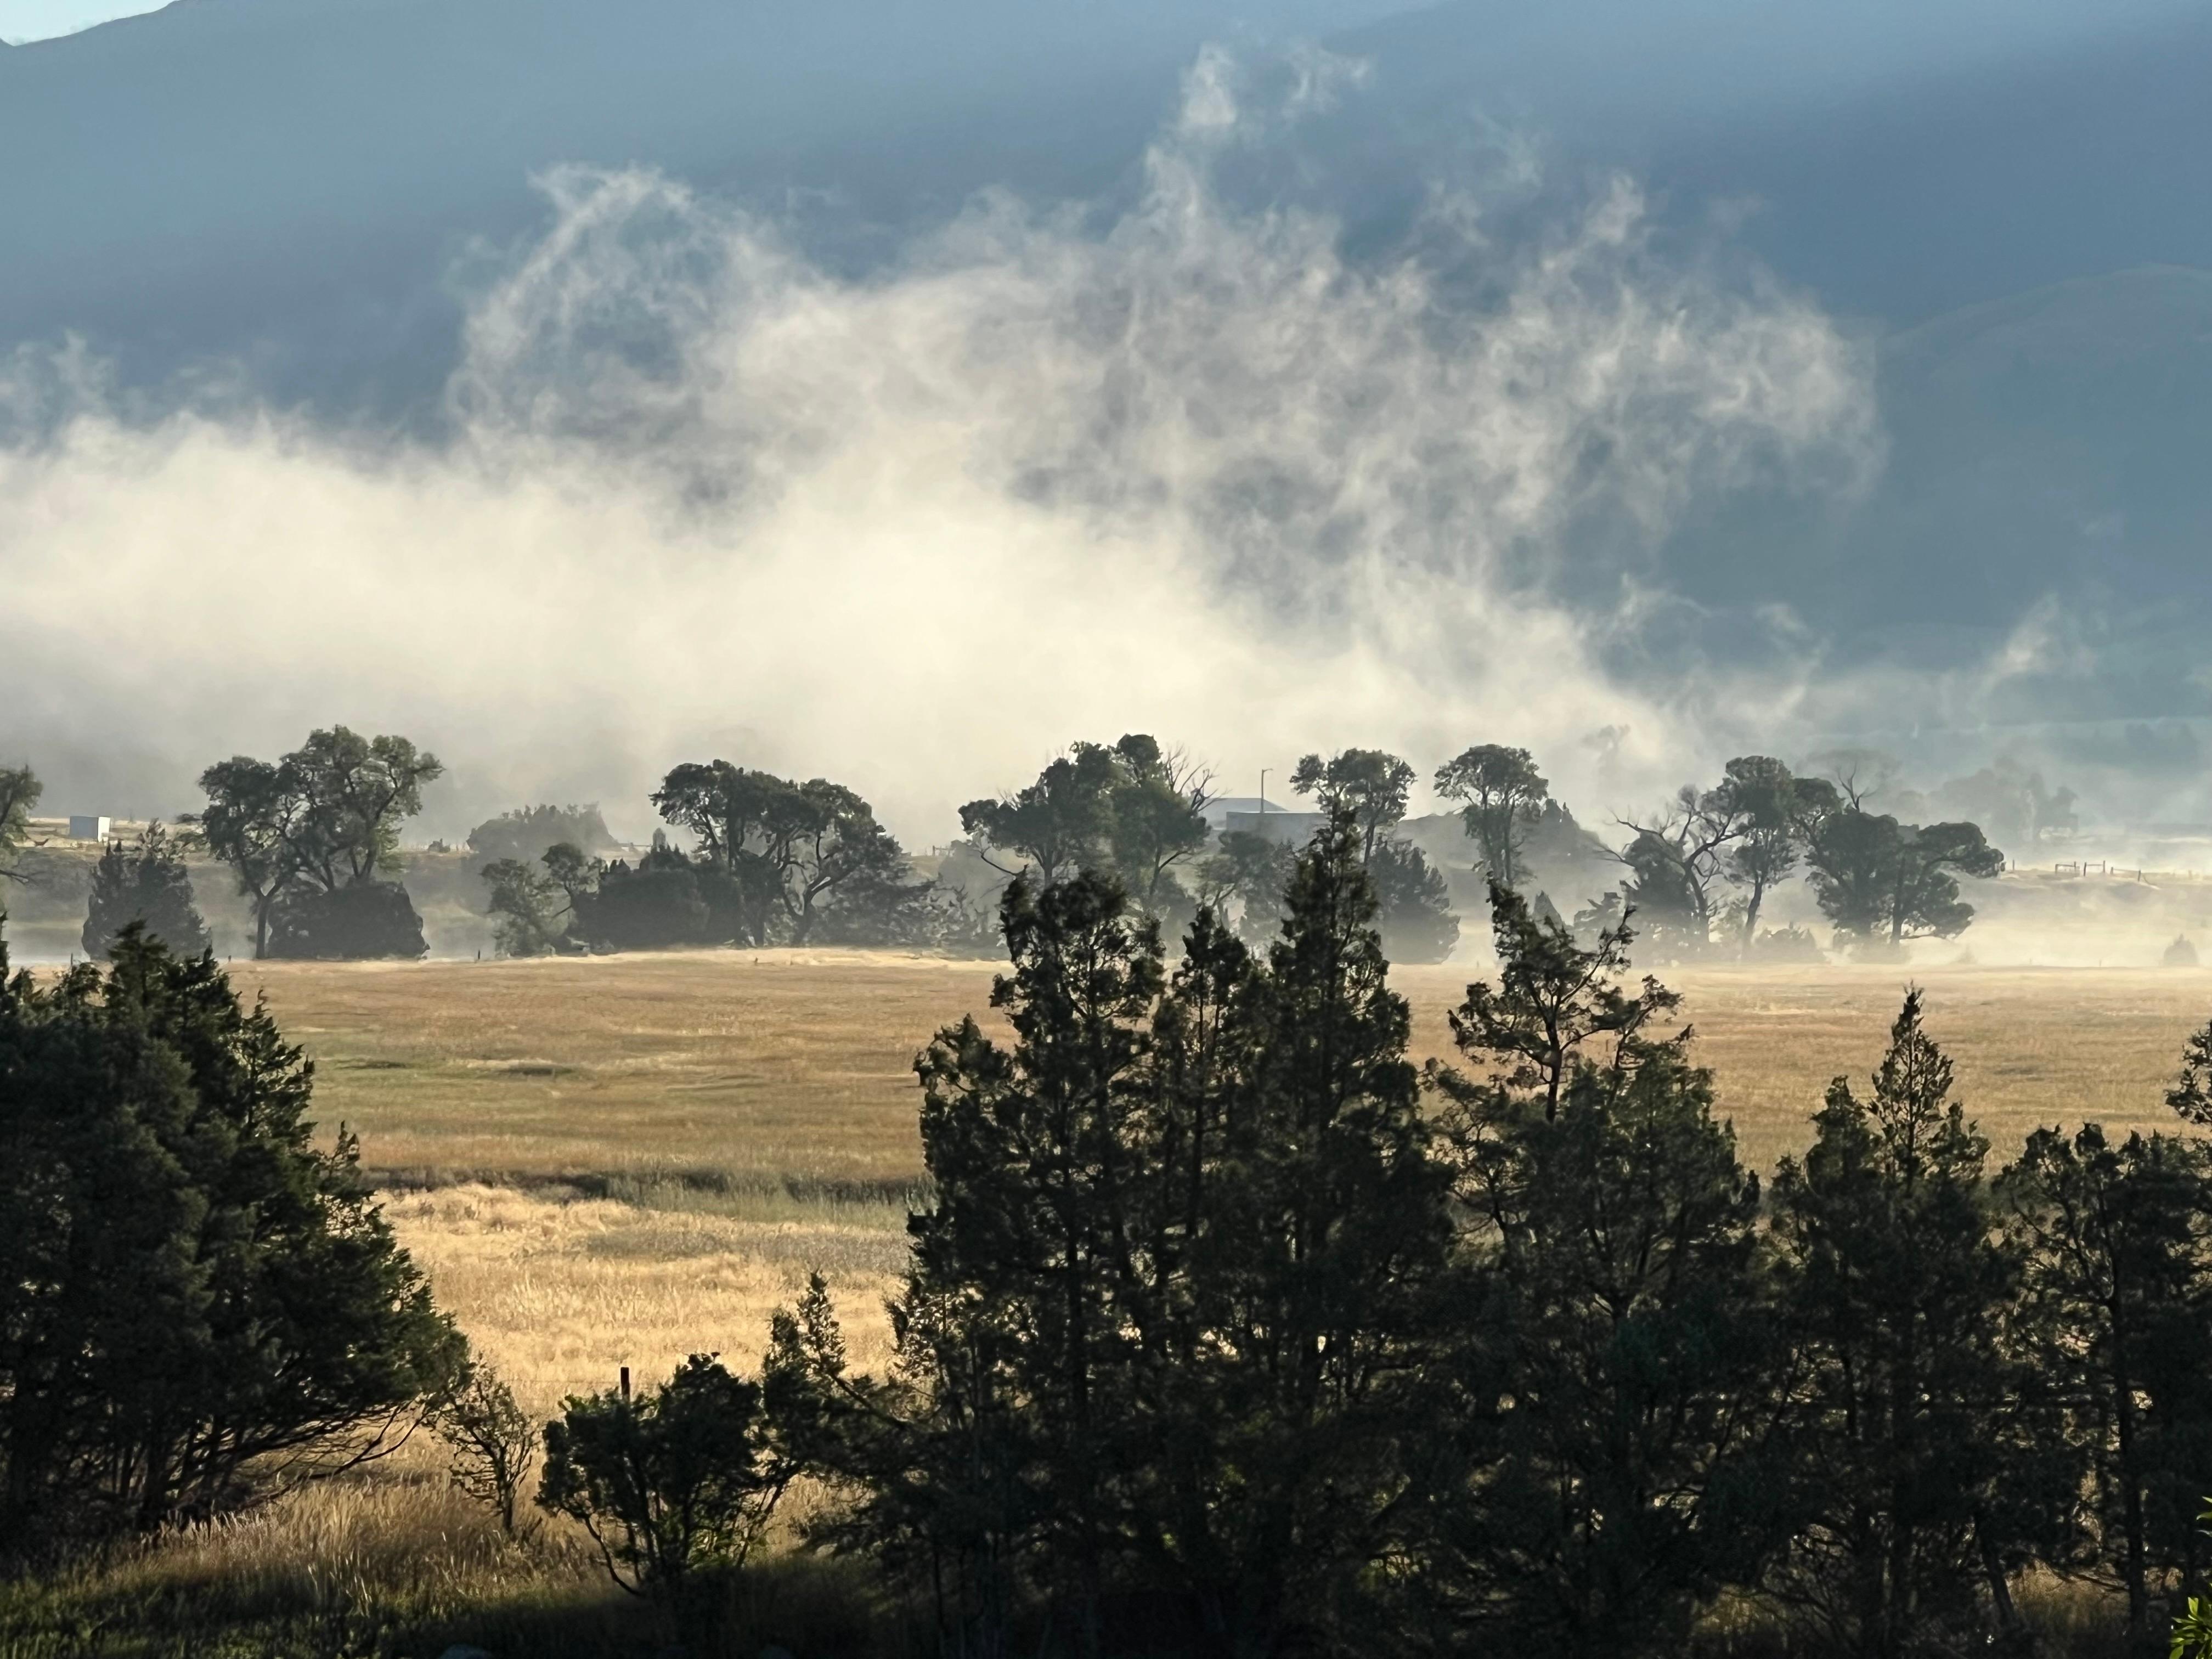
<point x="620" y="1160"/>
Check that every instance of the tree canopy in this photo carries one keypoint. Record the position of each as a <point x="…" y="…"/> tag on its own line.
<point x="320" y="822"/>
<point x="1134" y="809"/>
<point x="1504" y="795"/>
<point x="144" y="883"/>
<point x="195" y="1301"/>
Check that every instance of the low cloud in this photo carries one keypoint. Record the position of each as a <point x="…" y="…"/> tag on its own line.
<point x="1186" y="468"/>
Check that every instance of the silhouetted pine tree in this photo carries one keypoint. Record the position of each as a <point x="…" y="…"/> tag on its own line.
<point x="1309" y="1309"/>
<point x="2118" y="1287"/>
<point x="1617" y="1423"/>
<point x="1162" y="1353"/>
<point x="1910" y="1433"/>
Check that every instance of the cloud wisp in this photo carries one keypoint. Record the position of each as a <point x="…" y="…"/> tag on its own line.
<point x="1190" y="468"/>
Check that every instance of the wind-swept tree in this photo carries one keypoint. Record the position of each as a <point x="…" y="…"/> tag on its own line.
<point x="1133" y="808"/>
<point x="1371" y="785"/>
<point x="1878" y="880"/>
<point x="531" y="908"/>
<point x="774" y="855"/>
<point x="359" y="791"/>
<point x="1505" y="794"/>
<point x="830" y="847"/>
<point x="1678" y="859"/>
<point x="1778" y="812"/>
<point x="256" y="820"/>
<point x="308" y="836"/>
<point x="1157" y="804"/>
<point x="1057" y="825"/>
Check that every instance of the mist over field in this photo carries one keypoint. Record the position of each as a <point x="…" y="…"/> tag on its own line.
<point x="1402" y="392"/>
<point x="1186" y="469"/>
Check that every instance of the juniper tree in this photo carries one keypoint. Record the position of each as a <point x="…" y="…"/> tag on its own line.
<point x="1908" y="1427"/>
<point x="2118" y="1283"/>
<point x="1009" y="1327"/>
<point x="1615" y="1418"/>
<point x="146" y="883"/>
<point x="1169" y="1325"/>
<point x="1317" y="1275"/>
<point x="195" y="1301"/>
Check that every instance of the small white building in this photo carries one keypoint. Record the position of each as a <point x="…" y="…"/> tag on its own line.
<point x="89" y="828"/>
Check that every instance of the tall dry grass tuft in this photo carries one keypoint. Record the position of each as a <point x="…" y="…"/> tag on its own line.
<point x="398" y="1565"/>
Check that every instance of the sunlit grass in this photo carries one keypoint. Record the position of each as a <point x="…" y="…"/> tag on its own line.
<point x="622" y="1161"/>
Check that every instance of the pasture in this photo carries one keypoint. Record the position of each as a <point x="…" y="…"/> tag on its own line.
<point x="620" y="1160"/>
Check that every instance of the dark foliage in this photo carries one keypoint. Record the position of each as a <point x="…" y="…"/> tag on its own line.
<point x="195" y="1304"/>
<point x="1132" y="809"/>
<point x="2119" y="1297"/>
<point x="1413" y="913"/>
<point x="1882" y="881"/>
<point x="1919" y="1418"/>
<point x="325" y="818"/>
<point x="526" y="834"/>
<point x="1172" y="1308"/>
<point x="1617" y="1427"/>
<point x="774" y="855"/>
<point x="365" y="920"/>
<point x="144" y="883"/>
<point x="679" y="1478"/>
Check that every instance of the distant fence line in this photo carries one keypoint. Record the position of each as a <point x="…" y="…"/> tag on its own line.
<point x="2078" y="868"/>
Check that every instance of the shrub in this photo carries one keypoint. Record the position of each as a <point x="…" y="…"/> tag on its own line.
<point x="679" y="1478"/>
<point x="365" y="920"/>
<point x="494" y="1445"/>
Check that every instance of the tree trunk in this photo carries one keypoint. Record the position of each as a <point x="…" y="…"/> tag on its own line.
<point x="1751" y="915"/>
<point x="2124" y="1425"/>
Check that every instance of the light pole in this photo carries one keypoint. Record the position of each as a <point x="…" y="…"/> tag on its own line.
<point x="1263" y="801"/>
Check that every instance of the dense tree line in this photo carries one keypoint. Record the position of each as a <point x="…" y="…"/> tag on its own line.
<point x="773" y="861"/>
<point x="313" y="841"/>
<point x="1228" y="1330"/>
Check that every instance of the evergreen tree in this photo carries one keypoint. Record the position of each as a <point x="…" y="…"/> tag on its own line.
<point x="1316" y="1281"/>
<point x="1615" y="1422"/>
<point x="1168" y="1327"/>
<point x="195" y="1301"/>
<point x="1413" y="913"/>
<point x="1908" y="1427"/>
<point x="146" y="884"/>
<point x="2119" y="1281"/>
